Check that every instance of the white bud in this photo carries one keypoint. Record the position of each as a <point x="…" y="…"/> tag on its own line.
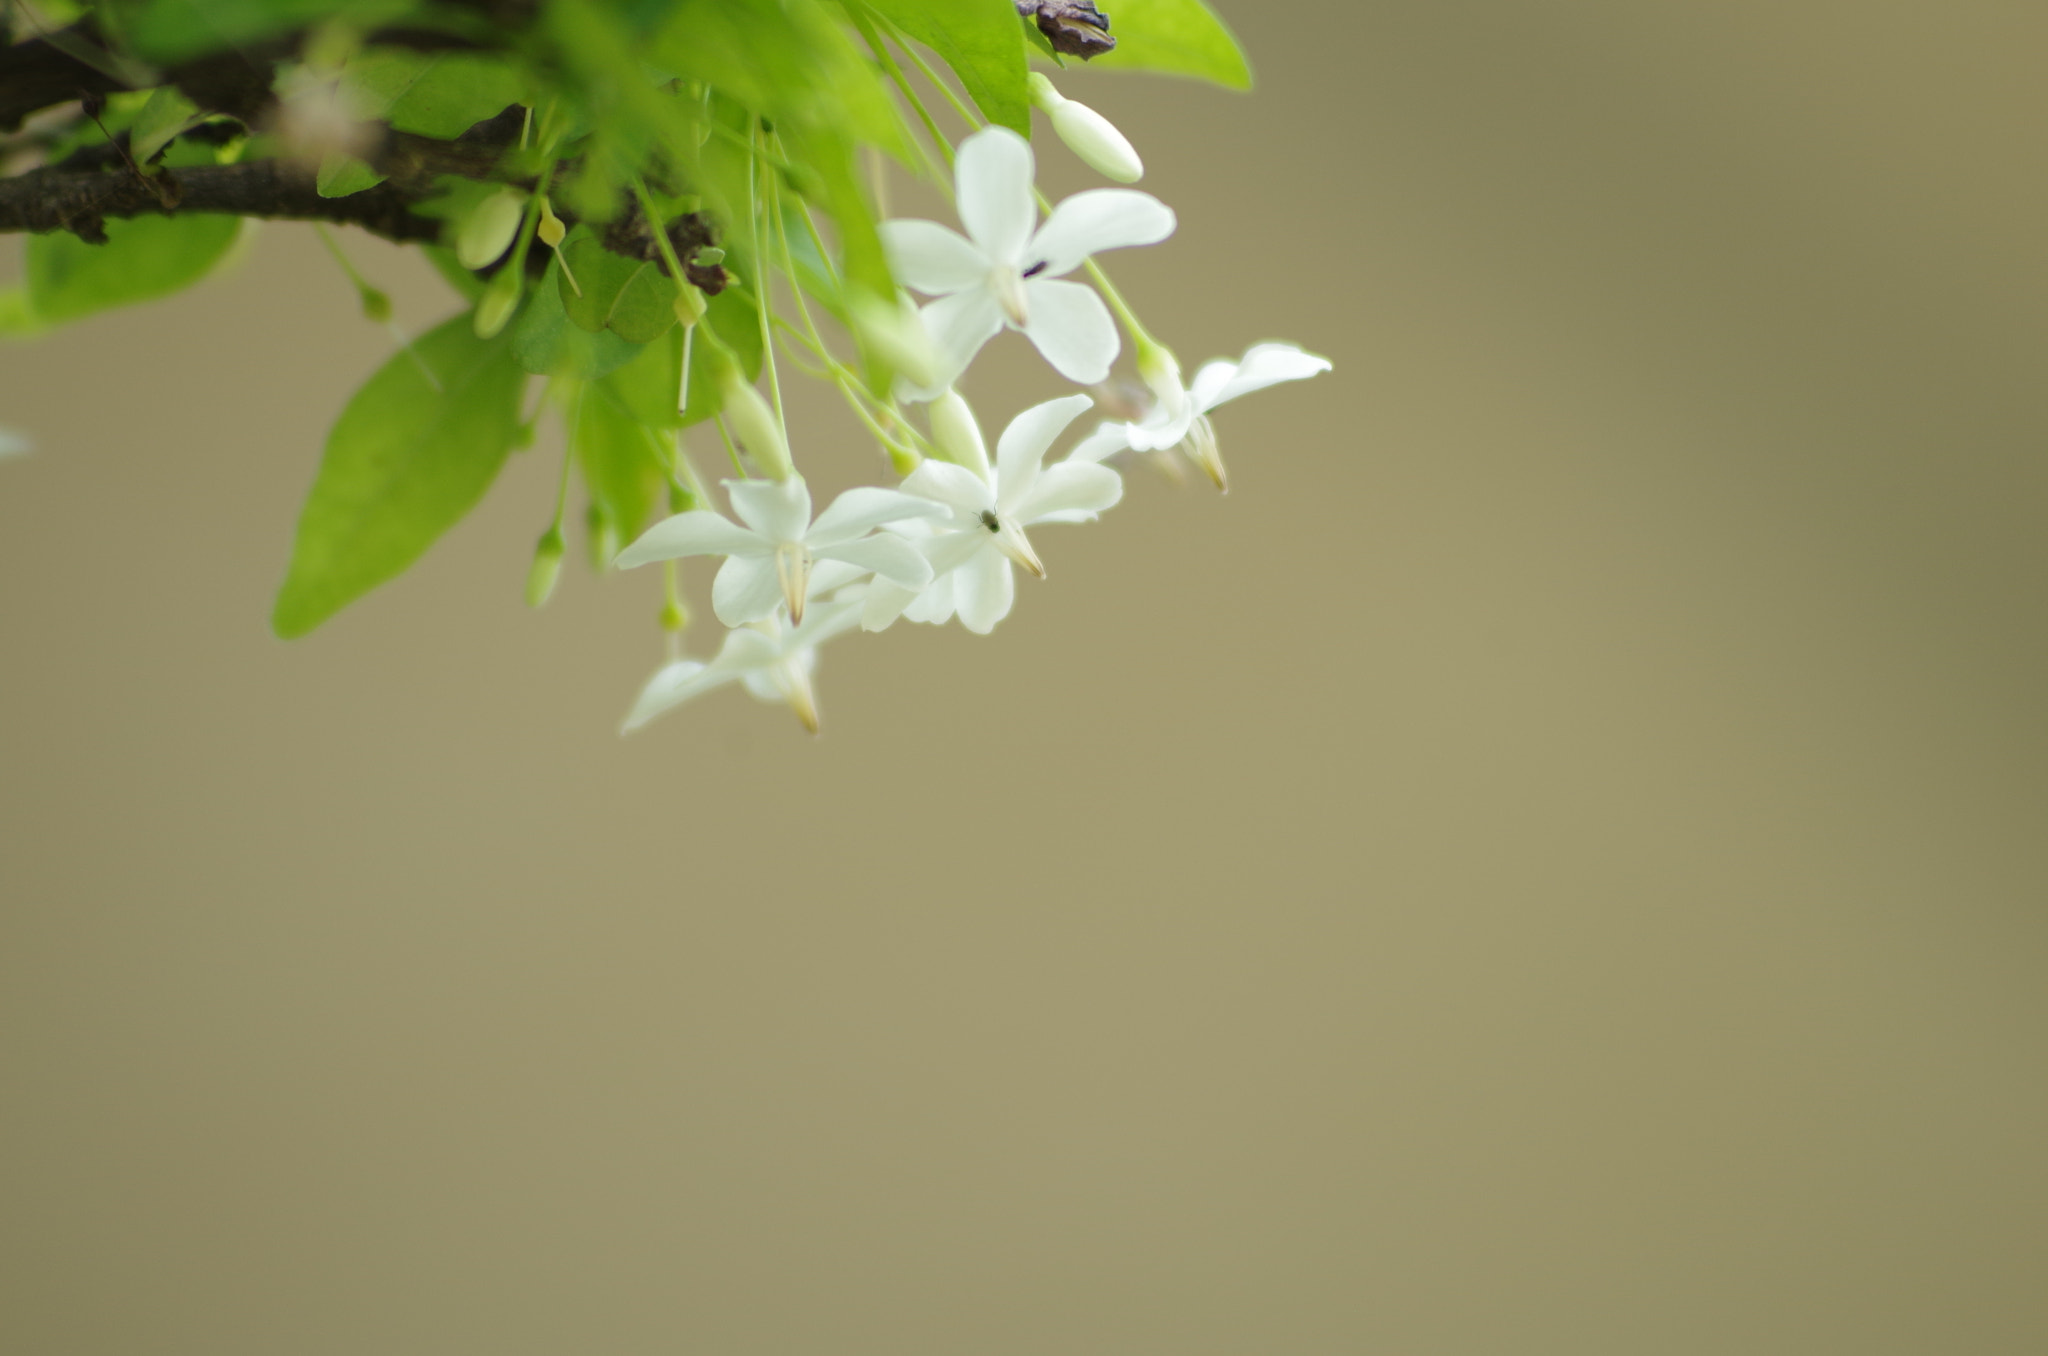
<point x="958" y="435"/>
<point x="755" y="424"/>
<point x="488" y="231"/>
<point x="1088" y="134"/>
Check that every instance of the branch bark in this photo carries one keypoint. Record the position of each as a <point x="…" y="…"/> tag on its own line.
<point x="59" y="200"/>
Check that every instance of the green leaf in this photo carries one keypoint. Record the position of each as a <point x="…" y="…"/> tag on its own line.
<point x="341" y="175"/>
<point x="466" y="284"/>
<point x="18" y="319"/>
<point x="438" y="94"/>
<point x="620" y="438"/>
<point x="983" y="43"/>
<point x="404" y="462"/>
<point x="144" y="258"/>
<point x="546" y="344"/>
<point x="634" y="299"/>
<point x="1178" y="37"/>
<point x="168" y="31"/>
<point x="733" y="318"/>
<point x="165" y="115"/>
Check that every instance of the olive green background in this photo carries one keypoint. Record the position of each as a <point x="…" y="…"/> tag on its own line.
<point x="1555" y="861"/>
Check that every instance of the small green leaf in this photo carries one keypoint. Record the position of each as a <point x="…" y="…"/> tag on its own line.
<point x="546" y="344"/>
<point x="168" y="31"/>
<point x="983" y="43"/>
<point x="403" y="463"/>
<point x="165" y="115"/>
<point x="341" y="175"/>
<point x="144" y="258"/>
<point x="633" y="299"/>
<point x="1178" y="37"/>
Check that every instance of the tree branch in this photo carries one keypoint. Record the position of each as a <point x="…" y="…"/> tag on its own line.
<point x="59" y="200"/>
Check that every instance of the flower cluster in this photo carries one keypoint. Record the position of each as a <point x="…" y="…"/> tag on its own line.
<point x="949" y="540"/>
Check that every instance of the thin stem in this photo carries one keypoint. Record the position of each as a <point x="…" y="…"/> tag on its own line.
<point x="575" y="417"/>
<point x="760" y="234"/>
<point x="731" y="449"/>
<point x="902" y="83"/>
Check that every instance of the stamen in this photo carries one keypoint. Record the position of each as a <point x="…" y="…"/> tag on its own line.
<point x="1008" y="286"/>
<point x="793" y="572"/>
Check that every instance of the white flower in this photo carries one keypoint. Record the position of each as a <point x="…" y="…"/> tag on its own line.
<point x="971" y="551"/>
<point x="1181" y="416"/>
<point x="769" y="560"/>
<point x="772" y="659"/>
<point x="1005" y="272"/>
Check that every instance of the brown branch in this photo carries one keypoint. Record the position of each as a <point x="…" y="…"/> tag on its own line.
<point x="59" y="200"/>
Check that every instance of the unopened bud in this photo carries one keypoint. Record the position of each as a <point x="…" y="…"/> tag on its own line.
<point x="709" y="257"/>
<point x="674" y="616"/>
<point x="489" y="228"/>
<point x="601" y="535"/>
<point x="689" y="303"/>
<point x="755" y="424"/>
<point x="1088" y="134"/>
<point x="546" y="568"/>
<point x="498" y="302"/>
<point x="376" y="306"/>
<point x="958" y="435"/>
<point x="550" y="229"/>
<point x="896" y="333"/>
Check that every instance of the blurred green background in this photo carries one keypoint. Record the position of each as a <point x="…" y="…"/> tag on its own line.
<point x="1555" y="861"/>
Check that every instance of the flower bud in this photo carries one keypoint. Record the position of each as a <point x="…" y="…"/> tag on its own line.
<point x="601" y="535"/>
<point x="489" y="228"/>
<point x="546" y="568"/>
<point x="689" y="303"/>
<point x="376" y="306"/>
<point x="958" y="435"/>
<point x="1088" y="134"/>
<point x="550" y="229"/>
<point x="755" y="423"/>
<point x="498" y="302"/>
<point x="674" y="616"/>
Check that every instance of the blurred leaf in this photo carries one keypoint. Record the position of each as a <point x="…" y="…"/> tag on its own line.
<point x="1179" y="37"/>
<point x="167" y="31"/>
<point x="403" y="463"/>
<point x="17" y="318"/>
<point x="466" y="284"/>
<point x="634" y="299"/>
<point x="621" y="434"/>
<point x="984" y="44"/>
<point x="545" y="343"/>
<point x="436" y="94"/>
<point x="341" y="175"/>
<point x="165" y="115"/>
<point x="144" y="258"/>
<point x="731" y="316"/>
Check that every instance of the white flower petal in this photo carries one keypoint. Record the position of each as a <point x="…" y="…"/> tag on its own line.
<point x="984" y="588"/>
<point x="958" y="326"/>
<point x="1264" y="365"/>
<point x="1209" y="383"/>
<point x="699" y="532"/>
<point x="1097" y="220"/>
<point x="829" y="576"/>
<point x="1072" y="329"/>
<point x="931" y="258"/>
<point x="1022" y="448"/>
<point x="746" y="589"/>
<point x="1070" y="488"/>
<point x="934" y="606"/>
<point x="864" y="508"/>
<point x="671" y="685"/>
<point x="1107" y="440"/>
<point x="992" y="175"/>
<point x="891" y="557"/>
<point x="780" y="510"/>
<point x="954" y="486"/>
<point x="883" y="604"/>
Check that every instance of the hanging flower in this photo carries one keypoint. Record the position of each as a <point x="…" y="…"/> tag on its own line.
<point x="769" y="560"/>
<point x="972" y="549"/>
<point x="772" y="659"/>
<point x="1181" y="415"/>
<point x="1005" y="272"/>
